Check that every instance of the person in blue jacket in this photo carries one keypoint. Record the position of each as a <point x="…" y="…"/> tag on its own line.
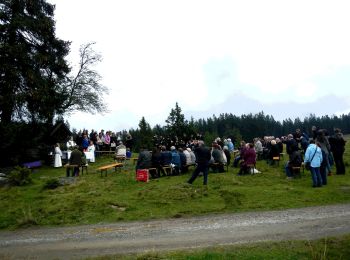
<point x="313" y="155"/>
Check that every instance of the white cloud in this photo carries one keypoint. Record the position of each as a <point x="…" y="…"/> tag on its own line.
<point x="155" y="52"/>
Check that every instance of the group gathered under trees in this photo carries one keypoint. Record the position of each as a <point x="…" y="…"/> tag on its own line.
<point x="38" y="87"/>
<point x="37" y="84"/>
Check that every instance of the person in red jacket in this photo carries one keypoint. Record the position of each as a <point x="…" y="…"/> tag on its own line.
<point x="249" y="159"/>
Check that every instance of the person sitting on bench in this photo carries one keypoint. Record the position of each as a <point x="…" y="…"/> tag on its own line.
<point x="144" y="160"/>
<point x="120" y="152"/>
<point x="249" y="159"/>
<point x="75" y="159"/>
<point x="295" y="160"/>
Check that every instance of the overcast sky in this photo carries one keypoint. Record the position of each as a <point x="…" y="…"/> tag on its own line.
<point x="286" y="58"/>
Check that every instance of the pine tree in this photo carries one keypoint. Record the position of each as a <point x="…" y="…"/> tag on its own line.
<point x="32" y="61"/>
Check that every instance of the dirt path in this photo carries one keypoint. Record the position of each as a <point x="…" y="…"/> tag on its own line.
<point x="93" y="240"/>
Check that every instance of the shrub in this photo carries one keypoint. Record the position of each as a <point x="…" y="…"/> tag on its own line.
<point x="52" y="184"/>
<point x="20" y="176"/>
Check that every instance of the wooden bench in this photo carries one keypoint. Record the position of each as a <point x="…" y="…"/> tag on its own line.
<point x="153" y="170"/>
<point x="120" y="158"/>
<point x="109" y="166"/>
<point x="32" y="165"/>
<point x="167" y="169"/>
<point x="134" y="160"/>
<point x="100" y="153"/>
<point x="216" y="165"/>
<point x="83" y="167"/>
<point x="276" y="159"/>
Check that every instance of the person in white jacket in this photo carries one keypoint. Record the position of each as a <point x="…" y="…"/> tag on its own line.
<point x="91" y="149"/>
<point x="58" y="156"/>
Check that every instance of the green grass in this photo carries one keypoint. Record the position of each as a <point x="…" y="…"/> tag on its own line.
<point x="329" y="248"/>
<point x="118" y="197"/>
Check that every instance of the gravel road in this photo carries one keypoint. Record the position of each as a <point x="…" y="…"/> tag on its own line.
<point x="226" y="229"/>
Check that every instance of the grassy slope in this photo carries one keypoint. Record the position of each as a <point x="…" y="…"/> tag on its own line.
<point x="118" y="197"/>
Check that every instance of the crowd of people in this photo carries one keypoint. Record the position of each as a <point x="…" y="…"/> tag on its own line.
<point x="319" y="150"/>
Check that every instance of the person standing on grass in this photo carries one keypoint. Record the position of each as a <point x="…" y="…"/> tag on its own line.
<point x="313" y="155"/>
<point x="75" y="159"/>
<point x="203" y="156"/>
<point x="91" y="149"/>
<point x="337" y="143"/>
<point x="58" y="156"/>
<point x="323" y="142"/>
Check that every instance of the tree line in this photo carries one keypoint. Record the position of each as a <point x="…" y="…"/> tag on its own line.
<point x="178" y="130"/>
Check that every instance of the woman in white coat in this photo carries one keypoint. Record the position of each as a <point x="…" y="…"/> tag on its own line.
<point x="58" y="156"/>
<point x="91" y="149"/>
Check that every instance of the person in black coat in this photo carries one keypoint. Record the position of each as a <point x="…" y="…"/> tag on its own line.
<point x="337" y="144"/>
<point x="203" y="156"/>
<point x="75" y="159"/>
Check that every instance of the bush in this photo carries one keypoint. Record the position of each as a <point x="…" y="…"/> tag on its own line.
<point x="20" y="176"/>
<point x="52" y="184"/>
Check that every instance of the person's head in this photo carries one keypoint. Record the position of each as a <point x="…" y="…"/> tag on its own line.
<point x="200" y="143"/>
<point x="273" y="142"/>
<point x="337" y="130"/>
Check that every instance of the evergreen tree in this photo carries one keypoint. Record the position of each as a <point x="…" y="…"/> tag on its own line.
<point x="32" y="61"/>
<point x="176" y="123"/>
<point x="145" y="134"/>
<point x="35" y="84"/>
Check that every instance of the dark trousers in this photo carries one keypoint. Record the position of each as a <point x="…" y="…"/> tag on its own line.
<point x="323" y="173"/>
<point x="75" y="171"/>
<point x="200" y="168"/>
<point x="339" y="164"/>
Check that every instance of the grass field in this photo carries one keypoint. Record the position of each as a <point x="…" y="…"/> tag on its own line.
<point x="118" y="197"/>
